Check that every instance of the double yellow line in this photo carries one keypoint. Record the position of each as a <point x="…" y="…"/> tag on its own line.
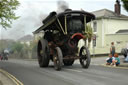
<point x="16" y="81"/>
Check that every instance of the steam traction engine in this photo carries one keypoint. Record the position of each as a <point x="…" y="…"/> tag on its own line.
<point x="60" y="41"/>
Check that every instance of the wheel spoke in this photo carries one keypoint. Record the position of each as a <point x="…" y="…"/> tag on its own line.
<point x="84" y="52"/>
<point x="85" y="57"/>
<point x="58" y="58"/>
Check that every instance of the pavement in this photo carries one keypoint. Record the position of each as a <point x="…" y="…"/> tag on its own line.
<point x="5" y="79"/>
<point x="123" y="64"/>
<point x="102" y="60"/>
<point x="8" y="79"/>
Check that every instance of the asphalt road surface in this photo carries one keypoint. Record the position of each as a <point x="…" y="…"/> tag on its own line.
<point x="29" y="73"/>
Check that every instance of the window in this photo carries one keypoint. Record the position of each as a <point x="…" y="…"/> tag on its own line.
<point x="95" y="26"/>
<point x="94" y="41"/>
<point x="118" y="42"/>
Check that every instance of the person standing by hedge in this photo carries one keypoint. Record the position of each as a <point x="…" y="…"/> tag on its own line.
<point x="112" y="49"/>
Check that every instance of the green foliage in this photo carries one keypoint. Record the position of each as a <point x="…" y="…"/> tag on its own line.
<point x="17" y="47"/>
<point x="125" y="4"/>
<point x="33" y="47"/>
<point x="6" y="44"/>
<point x="7" y="14"/>
<point x="89" y="32"/>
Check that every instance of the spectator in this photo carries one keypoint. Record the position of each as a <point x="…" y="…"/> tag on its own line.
<point x="116" y="61"/>
<point x="124" y="51"/>
<point x="126" y="58"/>
<point x="127" y="49"/>
<point x="112" y="49"/>
<point x="6" y="52"/>
<point x="110" y="59"/>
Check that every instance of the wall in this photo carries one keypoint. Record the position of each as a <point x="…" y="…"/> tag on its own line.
<point x="113" y="25"/>
<point x="106" y="29"/>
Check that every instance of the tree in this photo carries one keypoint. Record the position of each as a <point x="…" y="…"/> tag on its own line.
<point x="89" y="33"/>
<point x="6" y="44"/>
<point x="17" y="47"/>
<point x="7" y="14"/>
<point x="125" y="4"/>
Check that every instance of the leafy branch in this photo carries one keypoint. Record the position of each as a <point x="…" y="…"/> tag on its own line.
<point x="89" y="34"/>
<point x="7" y="14"/>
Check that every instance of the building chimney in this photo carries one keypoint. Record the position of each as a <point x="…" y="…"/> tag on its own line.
<point x="117" y="7"/>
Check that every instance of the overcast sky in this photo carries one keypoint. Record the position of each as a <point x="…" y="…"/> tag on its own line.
<point x="32" y="12"/>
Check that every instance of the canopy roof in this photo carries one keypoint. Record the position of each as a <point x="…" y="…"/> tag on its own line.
<point x="50" y="21"/>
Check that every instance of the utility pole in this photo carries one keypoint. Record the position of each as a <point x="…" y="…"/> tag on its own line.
<point x="94" y="45"/>
<point x="1" y="47"/>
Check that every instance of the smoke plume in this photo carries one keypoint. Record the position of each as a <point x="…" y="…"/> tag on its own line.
<point x="31" y="16"/>
<point x="62" y="5"/>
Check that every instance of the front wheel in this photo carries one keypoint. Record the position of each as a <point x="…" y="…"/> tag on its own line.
<point x="6" y="58"/>
<point x="84" y="57"/>
<point x="58" y="59"/>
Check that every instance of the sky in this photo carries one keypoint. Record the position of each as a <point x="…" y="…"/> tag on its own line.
<point x="32" y="12"/>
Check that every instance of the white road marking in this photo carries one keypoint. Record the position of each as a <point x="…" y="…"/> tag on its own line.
<point x="74" y="70"/>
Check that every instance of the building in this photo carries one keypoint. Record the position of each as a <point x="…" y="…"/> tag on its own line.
<point x="109" y="27"/>
<point x="26" y="39"/>
<point x="37" y="36"/>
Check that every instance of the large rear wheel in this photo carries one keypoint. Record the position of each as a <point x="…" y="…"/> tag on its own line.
<point x="84" y="57"/>
<point x="58" y="59"/>
<point x="43" y="53"/>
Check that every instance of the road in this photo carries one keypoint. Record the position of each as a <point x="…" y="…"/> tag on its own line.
<point x="29" y="73"/>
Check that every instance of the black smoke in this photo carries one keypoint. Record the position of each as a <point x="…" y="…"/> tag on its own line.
<point x="30" y="19"/>
<point x="62" y="5"/>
